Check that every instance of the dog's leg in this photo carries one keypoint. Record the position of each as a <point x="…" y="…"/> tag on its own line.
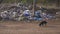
<point x="40" y="24"/>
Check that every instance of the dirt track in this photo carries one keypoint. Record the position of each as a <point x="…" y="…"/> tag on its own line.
<point x="9" y="27"/>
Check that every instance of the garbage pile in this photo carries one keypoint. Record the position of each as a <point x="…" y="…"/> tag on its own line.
<point x="22" y="12"/>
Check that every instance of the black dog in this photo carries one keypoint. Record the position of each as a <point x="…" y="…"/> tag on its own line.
<point x="43" y="23"/>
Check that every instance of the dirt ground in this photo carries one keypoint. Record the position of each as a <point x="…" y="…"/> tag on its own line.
<point x="13" y="27"/>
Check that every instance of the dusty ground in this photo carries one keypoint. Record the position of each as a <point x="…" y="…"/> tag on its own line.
<point x="10" y="27"/>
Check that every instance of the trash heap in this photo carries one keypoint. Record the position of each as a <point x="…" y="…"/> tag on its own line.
<point x="22" y="12"/>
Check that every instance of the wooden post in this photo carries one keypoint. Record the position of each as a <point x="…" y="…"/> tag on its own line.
<point x="34" y="5"/>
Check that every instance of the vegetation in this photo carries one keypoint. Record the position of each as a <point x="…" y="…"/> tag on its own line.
<point x="44" y="2"/>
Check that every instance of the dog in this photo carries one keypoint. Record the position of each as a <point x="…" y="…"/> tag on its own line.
<point x="43" y="23"/>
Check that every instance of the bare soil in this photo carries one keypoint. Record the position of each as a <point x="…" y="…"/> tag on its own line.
<point x="14" y="27"/>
